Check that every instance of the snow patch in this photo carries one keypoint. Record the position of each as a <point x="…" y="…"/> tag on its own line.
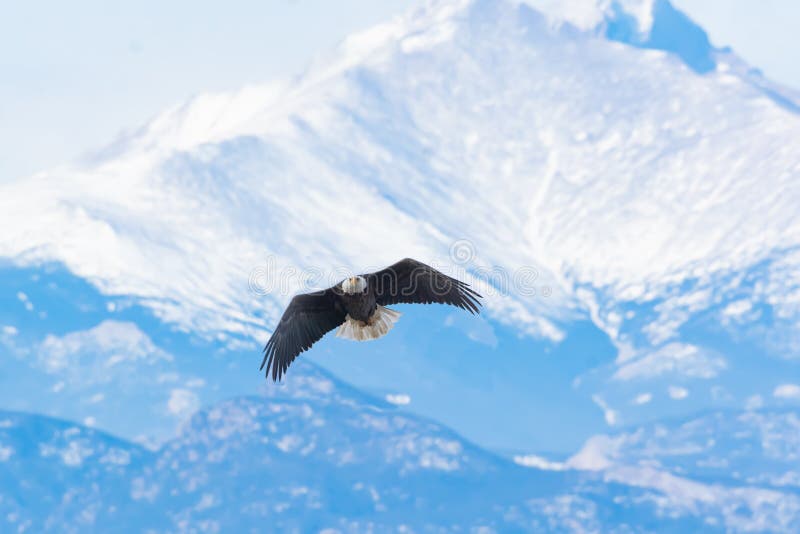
<point x="182" y="402"/>
<point x="5" y="453"/>
<point x="675" y="358"/>
<point x="110" y="342"/>
<point x="611" y="416"/>
<point x="787" y="391"/>
<point x="400" y="399"/>
<point x="677" y="392"/>
<point x="532" y="460"/>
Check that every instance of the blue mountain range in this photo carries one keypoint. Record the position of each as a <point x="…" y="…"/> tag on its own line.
<point x="621" y="191"/>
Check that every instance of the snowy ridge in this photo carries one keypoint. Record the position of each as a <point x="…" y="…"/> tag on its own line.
<point x="743" y="465"/>
<point x="317" y="454"/>
<point x="588" y="15"/>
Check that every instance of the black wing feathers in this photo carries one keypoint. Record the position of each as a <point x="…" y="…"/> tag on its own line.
<point x="411" y="282"/>
<point x="310" y="316"/>
<point x="307" y="318"/>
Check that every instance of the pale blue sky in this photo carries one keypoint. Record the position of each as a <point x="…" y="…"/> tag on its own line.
<point x="74" y="74"/>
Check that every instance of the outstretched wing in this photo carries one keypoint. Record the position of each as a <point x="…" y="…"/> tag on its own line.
<point x="307" y="318"/>
<point x="410" y="281"/>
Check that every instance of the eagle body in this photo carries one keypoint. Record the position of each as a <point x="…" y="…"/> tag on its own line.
<point x="357" y="307"/>
<point x="365" y="319"/>
<point x="358" y="298"/>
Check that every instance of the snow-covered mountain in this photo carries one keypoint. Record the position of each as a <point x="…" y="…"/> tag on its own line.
<point x="587" y="171"/>
<point x="736" y="469"/>
<point x="622" y="192"/>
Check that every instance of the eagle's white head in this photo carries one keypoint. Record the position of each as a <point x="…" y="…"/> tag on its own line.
<point x="354" y="285"/>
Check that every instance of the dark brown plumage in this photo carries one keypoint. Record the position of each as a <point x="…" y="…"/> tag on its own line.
<point x="360" y="302"/>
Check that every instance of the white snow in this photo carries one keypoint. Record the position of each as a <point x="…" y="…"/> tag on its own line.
<point x="655" y="459"/>
<point x="594" y="455"/>
<point x="532" y="460"/>
<point x="787" y="391"/>
<point x="9" y="331"/>
<point x="676" y="358"/>
<point x="737" y="308"/>
<point x="677" y="392"/>
<point x="141" y="490"/>
<point x="602" y="166"/>
<point x="754" y="402"/>
<point x="400" y="399"/>
<point x="584" y="14"/>
<point x="611" y="416"/>
<point x="116" y="456"/>
<point x="182" y="402"/>
<point x="72" y="454"/>
<point x="114" y="341"/>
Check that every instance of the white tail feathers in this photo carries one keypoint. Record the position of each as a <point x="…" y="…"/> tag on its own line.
<point x="379" y="325"/>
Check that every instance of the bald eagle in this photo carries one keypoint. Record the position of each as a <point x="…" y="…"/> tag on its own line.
<point x="357" y="306"/>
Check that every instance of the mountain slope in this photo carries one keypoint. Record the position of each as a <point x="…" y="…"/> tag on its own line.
<point x="317" y="454"/>
<point x="413" y="126"/>
<point x="737" y="469"/>
<point x="59" y="476"/>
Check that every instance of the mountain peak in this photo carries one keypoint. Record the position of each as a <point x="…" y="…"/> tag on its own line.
<point x="587" y="15"/>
